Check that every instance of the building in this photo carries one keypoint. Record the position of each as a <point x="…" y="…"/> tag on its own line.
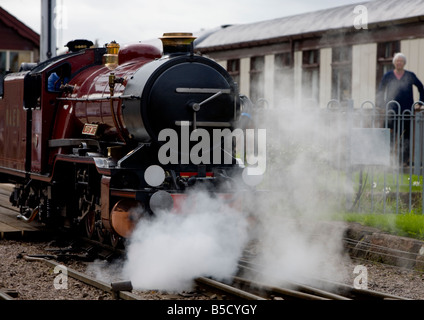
<point x="18" y="44"/>
<point x="309" y="59"/>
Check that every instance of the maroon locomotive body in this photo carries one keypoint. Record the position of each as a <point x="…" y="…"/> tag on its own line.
<point x="81" y="134"/>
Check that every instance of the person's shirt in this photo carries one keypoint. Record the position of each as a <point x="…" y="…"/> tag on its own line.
<point x="54" y="82"/>
<point x="400" y="90"/>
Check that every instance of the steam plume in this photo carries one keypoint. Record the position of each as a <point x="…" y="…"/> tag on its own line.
<point x="171" y="250"/>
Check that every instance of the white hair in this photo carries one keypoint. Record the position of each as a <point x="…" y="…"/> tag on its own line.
<point x="399" y="55"/>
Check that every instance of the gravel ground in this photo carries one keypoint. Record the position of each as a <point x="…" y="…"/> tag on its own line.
<point x="388" y="279"/>
<point x="36" y="281"/>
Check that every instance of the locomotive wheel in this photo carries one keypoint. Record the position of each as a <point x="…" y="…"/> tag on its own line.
<point x="114" y="239"/>
<point x="100" y="234"/>
<point x="90" y="224"/>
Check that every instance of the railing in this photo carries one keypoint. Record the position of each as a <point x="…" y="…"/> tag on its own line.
<point x="366" y="159"/>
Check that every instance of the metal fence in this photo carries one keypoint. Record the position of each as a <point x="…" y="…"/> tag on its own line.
<point x="372" y="157"/>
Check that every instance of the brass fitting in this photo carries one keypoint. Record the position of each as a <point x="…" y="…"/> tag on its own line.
<point x="110" y="59"/>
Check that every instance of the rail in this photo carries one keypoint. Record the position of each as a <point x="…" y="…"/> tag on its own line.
<point x="112" y="288"/>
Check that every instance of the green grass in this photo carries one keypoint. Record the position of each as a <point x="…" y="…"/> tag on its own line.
<point x="410" y="225"/>
<point x="376" y="181"/>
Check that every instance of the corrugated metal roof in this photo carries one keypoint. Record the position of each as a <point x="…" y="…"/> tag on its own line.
<point x="379" y="11"/>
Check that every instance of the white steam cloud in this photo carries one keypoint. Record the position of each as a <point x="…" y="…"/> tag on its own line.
<point x="168" y="252"/>
<point x="306" y="152"/>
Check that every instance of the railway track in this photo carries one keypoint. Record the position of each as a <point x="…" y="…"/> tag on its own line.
<point x="321" y="290"/>
<point x="241" y="288"/>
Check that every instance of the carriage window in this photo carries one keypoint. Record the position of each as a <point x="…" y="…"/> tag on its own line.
<point x="1" y="85"/>
<point x="2" y="71"/>
<point x="32" y="91"/>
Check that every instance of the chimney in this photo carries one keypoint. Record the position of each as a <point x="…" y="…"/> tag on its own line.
<point x="177" y="43"/>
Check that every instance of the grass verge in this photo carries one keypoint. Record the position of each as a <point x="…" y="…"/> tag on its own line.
<point x="409" y="225"/>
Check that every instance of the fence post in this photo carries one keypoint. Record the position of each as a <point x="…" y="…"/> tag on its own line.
<point x="417" y="143"/>
<point x="373" y="121"/>
<point x="349" y="169"/>
<point x="395" y="143"/>
<point x="418" y="152"/>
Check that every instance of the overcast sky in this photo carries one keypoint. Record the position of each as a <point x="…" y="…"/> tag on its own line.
<point x="128" y="21"/>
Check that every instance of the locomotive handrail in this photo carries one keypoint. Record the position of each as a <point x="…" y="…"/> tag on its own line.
<point x="196" y="105"/>
<point x="205" y="124"/>
<point x="202" y="90"/>
<point x="106" y="98"/>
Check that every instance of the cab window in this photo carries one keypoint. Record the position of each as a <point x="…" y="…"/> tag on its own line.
<point x="58" y="77"/>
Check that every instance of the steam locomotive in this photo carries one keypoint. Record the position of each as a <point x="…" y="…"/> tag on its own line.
<point x="99" y="138"/>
